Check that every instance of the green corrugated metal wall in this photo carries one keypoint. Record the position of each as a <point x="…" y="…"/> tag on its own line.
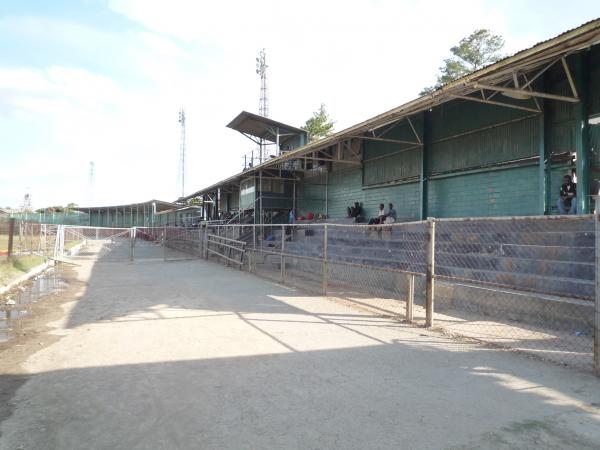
<point x="483" y="159"/>
<point x="491" y="193"/>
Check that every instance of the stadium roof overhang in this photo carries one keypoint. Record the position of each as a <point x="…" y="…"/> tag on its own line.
<point x="159" y="204"/>
<point x="257" y="128"/>
<point x="508" y="83"/>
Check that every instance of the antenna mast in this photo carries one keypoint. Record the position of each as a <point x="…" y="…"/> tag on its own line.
<point x="261" y="69"/>
<point x="182" y="151"/>
<point x="263" y="104"/>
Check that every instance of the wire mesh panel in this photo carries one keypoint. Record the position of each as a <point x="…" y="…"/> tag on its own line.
<point x="27" y="238"/>
<point x="99" y="244"/>
<point x="4" y="238"/>
<point x="182" y="243"/>
<point x="526" y="284"/>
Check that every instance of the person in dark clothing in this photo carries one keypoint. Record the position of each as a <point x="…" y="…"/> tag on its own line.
<point x="567" y="201"/>
<point x="392" y="216"/>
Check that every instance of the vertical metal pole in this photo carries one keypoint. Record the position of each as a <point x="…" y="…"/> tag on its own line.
<point x="206" y="241"/>
<point x="11" y="232"/>
<point x="424" y="180"/>
<point x="164" y="244"/>
<point x="294" y="197"/>
<point x="132" y="243"/>
<point x="411" y="298"/>
<point x="429" y="280"/>
<point x="200" y="242"/>
<point x="282" y="253"/>
<point x="260" y="196"/>
<point x="325" y="268"/>
<point x="582" y="144"/>
<point x="597" y="302"/>
<point x="326" y="194"/>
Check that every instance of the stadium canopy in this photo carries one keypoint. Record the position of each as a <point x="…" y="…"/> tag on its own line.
<point x="496" y="84"/>
<point x="257" y="128"/>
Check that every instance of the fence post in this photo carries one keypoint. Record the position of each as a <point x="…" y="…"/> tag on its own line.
<point x="282" y="252"/>
<point x="325" y="268"/>
<point x="411" y="298"/>
<point x="164" y="244"/>
<point x="132" y="233"/>
<point x="597" y="302"/>
<point x="201" y="240"/>
<point x="429" y="279"/>
<point x="11" y="232"/>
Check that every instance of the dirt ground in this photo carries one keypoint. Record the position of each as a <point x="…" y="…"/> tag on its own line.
<point x="187" y="355"/>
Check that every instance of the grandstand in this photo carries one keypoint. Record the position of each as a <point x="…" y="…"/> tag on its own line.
<point x="496" y="142"/>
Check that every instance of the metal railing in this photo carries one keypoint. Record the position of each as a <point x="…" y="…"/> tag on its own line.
<point x="521" y="283"/>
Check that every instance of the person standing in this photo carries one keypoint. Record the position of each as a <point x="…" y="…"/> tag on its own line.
<point x="567" y="201"/>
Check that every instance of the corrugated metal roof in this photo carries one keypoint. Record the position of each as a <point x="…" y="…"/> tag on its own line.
<point x="263" y="127"/>
<point x="160" y="206"/>
<point x="535" y="56"/>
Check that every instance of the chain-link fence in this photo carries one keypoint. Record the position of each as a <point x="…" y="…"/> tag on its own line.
<point x="26" y="238"/>
<point x="103" y="244"/>
<point x="525" y="283"/>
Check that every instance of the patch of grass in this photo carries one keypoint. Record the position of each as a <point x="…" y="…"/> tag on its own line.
<point x="17" y="266"/>
<point x="3" y="242"/>
<point x="69" y="245"/>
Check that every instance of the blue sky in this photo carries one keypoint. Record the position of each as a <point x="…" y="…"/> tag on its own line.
<point x="103" y="80"/>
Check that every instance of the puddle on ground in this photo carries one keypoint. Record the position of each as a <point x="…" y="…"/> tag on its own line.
<point x="17" y="304"/>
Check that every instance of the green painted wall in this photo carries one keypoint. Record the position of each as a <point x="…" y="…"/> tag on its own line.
<point x="507" y="192"/>
<point x="345" y="188"/>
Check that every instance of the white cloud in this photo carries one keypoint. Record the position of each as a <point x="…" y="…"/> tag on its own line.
<point x="116" y="103"/>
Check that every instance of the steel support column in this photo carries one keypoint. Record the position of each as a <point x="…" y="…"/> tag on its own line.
<point x="581" y="132"/>
<point x="425" y="149"/>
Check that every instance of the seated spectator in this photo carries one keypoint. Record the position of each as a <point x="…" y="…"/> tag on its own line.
<point x="354" y="211"/>
<point x="380" y="216"/>
<point x="567" y="201"/>
<point x="391" y="215"/>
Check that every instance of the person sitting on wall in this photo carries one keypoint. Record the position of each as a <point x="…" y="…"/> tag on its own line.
<point x="567" y="201"/>
<point x="354" y="211"/>
<point x="391" y="215"/>
<point x="381" y="215"/>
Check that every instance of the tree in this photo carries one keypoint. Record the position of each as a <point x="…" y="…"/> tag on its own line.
<point x="319" y="125"/>
<point x="473" y="52"/>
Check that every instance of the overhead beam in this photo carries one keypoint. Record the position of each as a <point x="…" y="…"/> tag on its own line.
<point x="569" y="77"/>
<point x="510" y="90"/>
<point x="342" y="161"/>
<point x="394" y="141"/>
<point x="495" y="103"/>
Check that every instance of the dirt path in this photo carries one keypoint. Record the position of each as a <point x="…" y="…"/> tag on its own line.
<point x="192" y="355"/>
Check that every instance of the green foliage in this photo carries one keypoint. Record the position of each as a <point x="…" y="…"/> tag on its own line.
<point x="473" y="52"/>
<point x="319" y="125"/>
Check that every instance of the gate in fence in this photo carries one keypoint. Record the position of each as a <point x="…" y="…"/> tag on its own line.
<point x="127" y="244"/>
